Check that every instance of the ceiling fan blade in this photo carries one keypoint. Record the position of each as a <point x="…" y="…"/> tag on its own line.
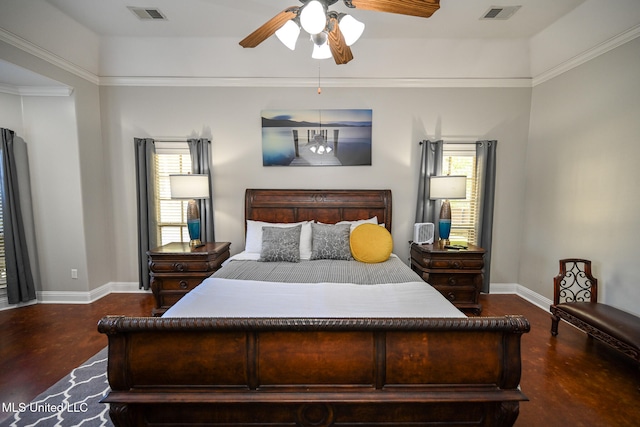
<point x="420" y="8"/>
<point x="270" y="27"/>
<point x="339" y="49"/>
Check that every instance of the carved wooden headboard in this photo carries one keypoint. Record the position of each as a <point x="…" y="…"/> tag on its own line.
<point x="327" y="206"/>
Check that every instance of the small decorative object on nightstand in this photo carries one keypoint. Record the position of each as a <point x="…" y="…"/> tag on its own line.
<point x="454" y="271"/>
<point x="176" y="268"/>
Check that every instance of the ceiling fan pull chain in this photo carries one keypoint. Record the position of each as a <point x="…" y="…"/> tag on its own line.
<point x="319" y="86"/>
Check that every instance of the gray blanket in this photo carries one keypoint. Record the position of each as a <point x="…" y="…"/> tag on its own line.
<point x="319" y="271"/>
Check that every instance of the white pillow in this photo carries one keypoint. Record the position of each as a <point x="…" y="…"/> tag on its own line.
<point x="253" y="242"/>
<point x="354" y="224"/>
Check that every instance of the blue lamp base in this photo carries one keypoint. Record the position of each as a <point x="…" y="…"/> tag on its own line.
<point x="194" y="232"/>
<point x="444" y="228"/>
<point x="193" y="224"/>
<point x="444" y="223"/>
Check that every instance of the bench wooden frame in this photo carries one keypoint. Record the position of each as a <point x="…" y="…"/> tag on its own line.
<point x="576" y="302"/>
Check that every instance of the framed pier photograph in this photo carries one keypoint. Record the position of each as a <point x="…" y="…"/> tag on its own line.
<point x="340" y="137"/>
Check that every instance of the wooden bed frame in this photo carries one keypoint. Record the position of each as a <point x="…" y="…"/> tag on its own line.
<point x="313" y="371"/>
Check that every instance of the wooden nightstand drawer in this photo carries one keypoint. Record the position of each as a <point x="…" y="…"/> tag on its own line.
<point x="453" y="279"/>
<point x="179" y="284"/>
<point x="455" y="263"/>
<point x="183" y="266"/>
<point x="458" y="294"/>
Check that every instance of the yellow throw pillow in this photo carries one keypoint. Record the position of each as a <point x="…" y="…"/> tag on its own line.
<point x="371" y="243"/>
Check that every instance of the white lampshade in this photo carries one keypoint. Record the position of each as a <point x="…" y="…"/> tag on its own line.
<point x="192" y="186"/>
<point x="321" y="52"/>
<point x="448" y="187"/>
<point x="351" y="29"/>
<point x="313" y="18"/>
<point x="288" y="34"/>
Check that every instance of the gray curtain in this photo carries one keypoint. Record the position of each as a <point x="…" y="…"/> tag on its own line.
<point x="486" y="178"/>
<point x="145" y="191"/>
<point x="200" y="150"/>
<point x="428" y="210"/>
<point x="20" y="283"/>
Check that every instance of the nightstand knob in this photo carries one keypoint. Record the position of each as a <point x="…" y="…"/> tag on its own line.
<point x="452" y="280"/>
<point x="183" y="284"/>
<point x="178" y="266"/>
<point x="456" y="264"/>
<point x="451" y="296"/>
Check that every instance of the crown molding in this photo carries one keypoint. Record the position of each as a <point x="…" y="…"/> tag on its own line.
<point x="45" y="55"/>
<point x="9" y="89"/>
<point x="36" y="90"/>
<point x="590" y="54"/>
<point x="311" y="82"/>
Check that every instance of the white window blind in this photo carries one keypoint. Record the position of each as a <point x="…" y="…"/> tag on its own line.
<point x="172" y="214"/>
<point x="460" y="159"/>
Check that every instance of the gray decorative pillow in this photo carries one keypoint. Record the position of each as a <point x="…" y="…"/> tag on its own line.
<point x="280" y="244"/>
<point x="330" y="241"/>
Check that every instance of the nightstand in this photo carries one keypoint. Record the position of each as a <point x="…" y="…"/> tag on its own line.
<point x="176" y="268"/>
<point x="456" y="273"/>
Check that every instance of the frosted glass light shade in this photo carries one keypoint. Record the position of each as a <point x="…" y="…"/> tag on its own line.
<point x="351" y="29"/>
<point x="322" y="51"/>
<point x="448" y="187"/>
<point x="288" y="34"/>
<point x="192" y="186"/>
<point x="313" y="18"/>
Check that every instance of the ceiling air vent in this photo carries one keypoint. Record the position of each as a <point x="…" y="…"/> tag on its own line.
<point x="148" y="13"/>
<point x="500" y="12"/>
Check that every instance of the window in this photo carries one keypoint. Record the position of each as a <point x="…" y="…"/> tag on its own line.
<point x="171" y="214"/>
<point x="460" y="159"/>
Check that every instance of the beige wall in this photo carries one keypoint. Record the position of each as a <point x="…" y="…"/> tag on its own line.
<point x="401" y="118"/>
<point x="68" y="170"/>
<point x="582" y="177"/>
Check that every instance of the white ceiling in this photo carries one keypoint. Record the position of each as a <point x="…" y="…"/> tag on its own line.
<point x="200" y="39"/>
<point x="237" y="18"/>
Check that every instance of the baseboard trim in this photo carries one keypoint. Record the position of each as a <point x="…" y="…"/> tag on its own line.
<point x="4" y="304"/>
<point x="525" y="293"/>
<point x="70" y="297"/>
<point x="73" y="297"/>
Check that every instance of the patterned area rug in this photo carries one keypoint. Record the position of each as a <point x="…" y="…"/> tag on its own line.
<point x="72" y="401"/>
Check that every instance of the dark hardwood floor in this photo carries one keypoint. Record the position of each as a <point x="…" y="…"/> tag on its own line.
<point x="570" y="380"/>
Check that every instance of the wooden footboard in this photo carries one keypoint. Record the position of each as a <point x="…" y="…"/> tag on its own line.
<point x="314" y="372"/>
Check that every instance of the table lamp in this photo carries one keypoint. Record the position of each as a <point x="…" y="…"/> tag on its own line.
<point x="191" y="187"/>
<point x="446" y="188"/>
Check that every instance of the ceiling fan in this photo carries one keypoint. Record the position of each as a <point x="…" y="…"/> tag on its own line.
<point x="324" y="26"/>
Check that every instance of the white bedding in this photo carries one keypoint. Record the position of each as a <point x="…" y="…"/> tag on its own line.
<point x="217" y="297"/>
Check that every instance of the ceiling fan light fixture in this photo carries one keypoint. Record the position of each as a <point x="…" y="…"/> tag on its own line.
<point x="313" y="17"/>
<point x="322" y="51"/>
<point x="288" y="34"/>
<point x="320" y="38"/>
<point x="351" y="29"/>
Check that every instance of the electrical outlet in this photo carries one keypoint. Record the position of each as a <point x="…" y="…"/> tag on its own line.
<point x="74" y="273"/>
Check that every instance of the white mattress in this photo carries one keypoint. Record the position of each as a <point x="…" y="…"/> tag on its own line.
<point x="218" y="297"/>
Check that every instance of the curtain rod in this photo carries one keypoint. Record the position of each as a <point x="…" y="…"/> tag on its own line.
<point x="165" y="139"/>
<point x="450" y="142"/>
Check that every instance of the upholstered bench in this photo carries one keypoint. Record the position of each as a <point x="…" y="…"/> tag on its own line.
<point x="576" y="302"/>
